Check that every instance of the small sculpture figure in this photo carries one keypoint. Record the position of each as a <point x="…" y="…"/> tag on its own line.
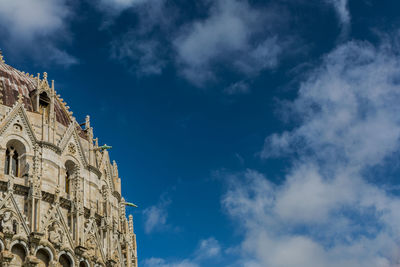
<point x="55" y="234"/>
<point x="7" y="223"/>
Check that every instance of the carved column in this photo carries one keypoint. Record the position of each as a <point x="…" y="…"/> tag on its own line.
<point x="35" y="192"/>
<point x="78" y="209"/>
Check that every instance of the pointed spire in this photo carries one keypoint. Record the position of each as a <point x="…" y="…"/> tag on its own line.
<point x="96" y="142"/>
<point x="87" y="122"/>
<point x="115" y="168"/>
<point x="131" y="224"/>
<point x="1" y="57"/>
<point x="38" y="80"/>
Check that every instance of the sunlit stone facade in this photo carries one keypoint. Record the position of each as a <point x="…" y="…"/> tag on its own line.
<point x="60" y="195"/>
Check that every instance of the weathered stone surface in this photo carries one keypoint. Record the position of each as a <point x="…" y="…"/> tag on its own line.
<point x="60" y="195"/>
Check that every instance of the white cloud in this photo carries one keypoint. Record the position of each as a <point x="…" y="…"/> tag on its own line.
<point x="33" y="27"/>
<point x="158" y="262"/>
<point x="233" y="34"/>
<point x="237" y="88"/>
<point x="342" y="10"/>
<point x="139" y="48"/>
<point x="327" y="212"/>
<point x="116" y="6"/>
<point x="341" y="7"/>
<point x="208" y="249"/>
<point x="156" y="216"/>
<point x="146" y="55"/>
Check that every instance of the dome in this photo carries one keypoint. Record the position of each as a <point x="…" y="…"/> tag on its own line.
<point x="14" y="83"/>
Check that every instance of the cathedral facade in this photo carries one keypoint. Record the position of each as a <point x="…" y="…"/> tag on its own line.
<point x="60" y="195"/>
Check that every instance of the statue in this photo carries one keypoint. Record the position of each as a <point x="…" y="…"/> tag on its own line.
<point x="7" y="223"/>
<point x="55" y="234"/>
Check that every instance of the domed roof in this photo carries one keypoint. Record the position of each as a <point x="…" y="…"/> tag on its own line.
<point x="14" y="82"/>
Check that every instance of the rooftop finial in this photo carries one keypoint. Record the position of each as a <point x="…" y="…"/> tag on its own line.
<point x="87" y="122"/>
<point x="1" y="56"/>
<point x="45" y="76"/>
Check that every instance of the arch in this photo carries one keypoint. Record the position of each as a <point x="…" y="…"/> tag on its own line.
<point x="49" y="250"/>
<point x="44" y="256"/>
<point x="20" y="252"/>
<point x="26" y="142"/>
<point x="84" y="263"/>
<point x="65" y="259"/>
<point x="22" y="243"/>
<point x="15" y="158"/>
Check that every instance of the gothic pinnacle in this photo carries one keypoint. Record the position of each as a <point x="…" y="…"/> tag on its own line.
<point x="1" y="56"/>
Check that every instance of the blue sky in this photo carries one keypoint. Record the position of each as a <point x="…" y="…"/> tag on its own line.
<point x="250" y="133"/>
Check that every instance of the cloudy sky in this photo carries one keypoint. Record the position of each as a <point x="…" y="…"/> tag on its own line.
<point x="256" y="133"/>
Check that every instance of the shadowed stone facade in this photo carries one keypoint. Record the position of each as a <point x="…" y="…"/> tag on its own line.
<point x="60" y="195"/>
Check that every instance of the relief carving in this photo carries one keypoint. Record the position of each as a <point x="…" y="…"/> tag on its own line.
<point x="8" y="225"/>
<point x="55" y="234"/>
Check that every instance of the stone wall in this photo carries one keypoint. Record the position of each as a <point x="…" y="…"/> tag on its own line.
<point x="60" y="196"/>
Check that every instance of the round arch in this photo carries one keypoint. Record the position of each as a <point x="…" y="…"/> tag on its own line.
<point x="12" y="137"/>
<point x="22" y="243"/>
<point x="20" y="251"/>
<point x="84" y="263"/>
<point x="65" y="259"/>
<point x="15" y="157"/>
<point x="48" y="250"/>
<point x="44" y="256"/>
<point x="73" y="159"/>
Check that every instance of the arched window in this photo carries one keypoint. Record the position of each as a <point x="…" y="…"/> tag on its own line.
<point x="15" y="159"/>
<point x="43" y="257"/>
<point x="12" y="162"/>
<point x="19" y="255"/>
<point x="44" y="104"/>
<point x="65" y="261"/>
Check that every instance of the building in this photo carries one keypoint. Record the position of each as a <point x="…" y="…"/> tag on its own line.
<point x="60" y="195"/>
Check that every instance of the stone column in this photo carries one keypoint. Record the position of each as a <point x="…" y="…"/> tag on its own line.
<point x="35" y="192"/>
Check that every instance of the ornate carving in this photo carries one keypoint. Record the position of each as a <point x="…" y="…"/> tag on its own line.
<point x="8" y="224"/>
<point x="91" y="247"/>
<point x="6" y="258"/>
<point x="17" y="127"/>
<point x="42" y="212"/>
<point x="71" y="148"/>
<point x="56" y="235"/>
